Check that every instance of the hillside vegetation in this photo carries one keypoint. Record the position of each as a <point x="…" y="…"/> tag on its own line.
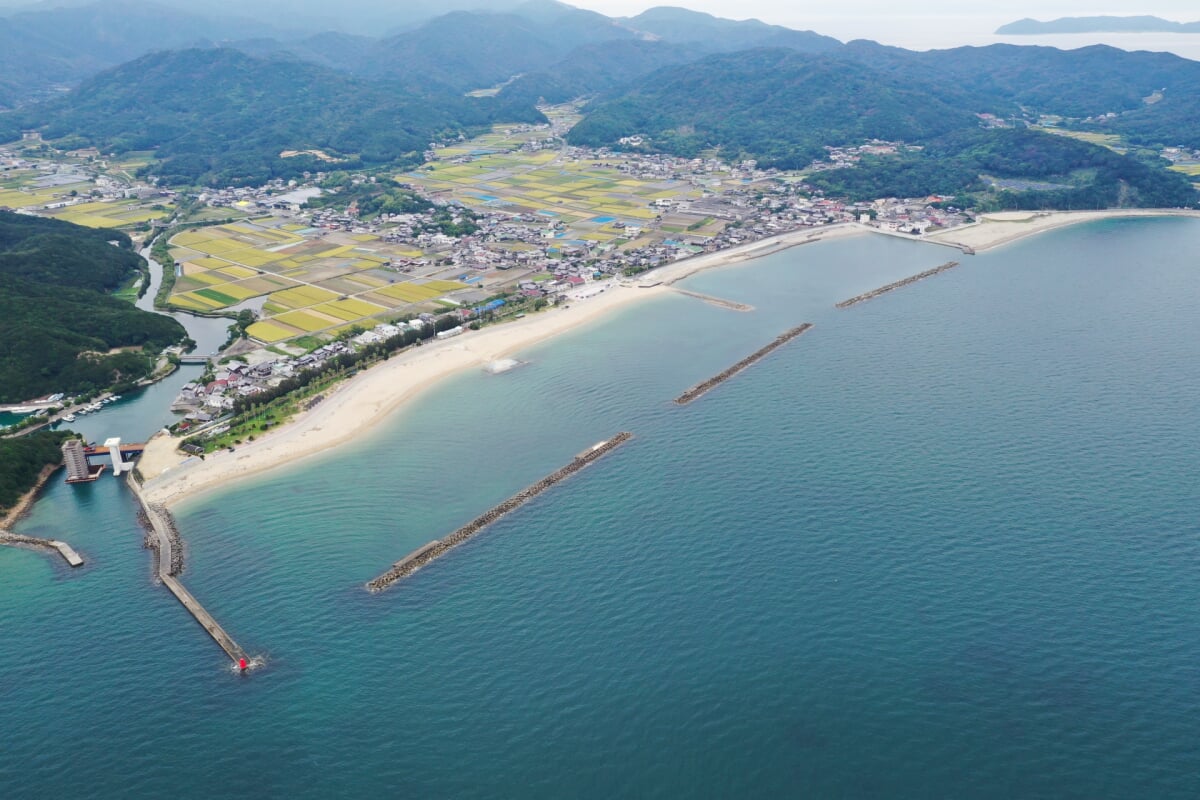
<point x="23" y="458"/>
<point x="1069" y="174"/>
<point x="221" y="117"/>
<point x="57" y="322"/>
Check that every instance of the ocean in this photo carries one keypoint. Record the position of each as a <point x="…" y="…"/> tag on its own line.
<point x="942" y="545"/>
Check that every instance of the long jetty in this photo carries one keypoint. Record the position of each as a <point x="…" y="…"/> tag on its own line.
<point x="701" y="388"/>
<point x="163" y="538"/>
<point x="715" y="301"/>
<point x="63" y="549"/>
<point x="920" y="276"/>
<point x="439" y="547"/>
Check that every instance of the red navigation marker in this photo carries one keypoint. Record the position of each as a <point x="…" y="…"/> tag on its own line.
<point x="242" y="664"/>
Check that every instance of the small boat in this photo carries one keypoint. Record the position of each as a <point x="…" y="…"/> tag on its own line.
<point x="114" y="398"/>
<point x="69" y="418"/>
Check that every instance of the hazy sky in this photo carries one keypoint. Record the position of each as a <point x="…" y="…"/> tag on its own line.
<point x="785" y="11"/>
<point x="930" y="23"/>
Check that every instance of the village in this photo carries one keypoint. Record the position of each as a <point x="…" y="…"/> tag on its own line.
<point x="515" y="216"/>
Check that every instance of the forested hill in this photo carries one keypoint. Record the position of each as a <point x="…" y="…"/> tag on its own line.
<point x="221" y="117"/>
<point x="753" y="101"/>
<point x="48" y="46"/>
<point x="22" y="459"/>
<point x="58" y="323"/>
<point x="779" y="106"/>
<point x="996" y="170"/>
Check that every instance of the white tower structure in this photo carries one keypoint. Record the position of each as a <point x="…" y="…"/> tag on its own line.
<point x="118" y="461"/>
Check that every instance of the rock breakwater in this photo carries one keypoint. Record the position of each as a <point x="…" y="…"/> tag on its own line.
<point x="701" y="388"/>
<point x="920" y="276"/>
<point x="439" y="547"/>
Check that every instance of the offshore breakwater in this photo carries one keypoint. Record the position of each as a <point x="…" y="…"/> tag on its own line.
<point x="720" y="302"/>
<point x="701" y="388"/>
<point x="439" y="547"/>
<point x="920" y="276"/>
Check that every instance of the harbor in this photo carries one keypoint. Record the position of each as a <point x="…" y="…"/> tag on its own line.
<point x="710" y="384"/>
<point x="439" y="547"/>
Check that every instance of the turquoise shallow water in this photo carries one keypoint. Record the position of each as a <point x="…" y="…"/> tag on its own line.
<point x="945" y="544"/>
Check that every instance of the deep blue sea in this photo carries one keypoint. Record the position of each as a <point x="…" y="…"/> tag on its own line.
<point x="946" y="544"/>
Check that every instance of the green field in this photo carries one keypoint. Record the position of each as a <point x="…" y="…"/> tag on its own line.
<point x="312" y="284"/>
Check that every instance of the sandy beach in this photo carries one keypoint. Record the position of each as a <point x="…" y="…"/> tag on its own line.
<point x="362" y="402"/>
<point x="995" y="230"/>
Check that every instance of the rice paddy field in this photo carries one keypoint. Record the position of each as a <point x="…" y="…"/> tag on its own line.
<point x="36" y="189"/>
<point x="304" y="281"/>
<point x="594" y="201"/>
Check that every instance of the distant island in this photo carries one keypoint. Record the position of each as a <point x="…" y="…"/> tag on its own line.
<point x="1138" y="24"/>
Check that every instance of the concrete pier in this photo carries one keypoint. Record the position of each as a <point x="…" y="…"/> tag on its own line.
<point x="714" y="301"/>
<point x="929" y="273"/>
<point x="701" y="388"/>
<point x="439" y="547"/>
<point x="164" y="539"/>
<point x="62" y="548"/>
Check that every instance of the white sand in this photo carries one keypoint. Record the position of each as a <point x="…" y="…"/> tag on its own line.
<point x="360" y="403"/>
<point x="994" y="230"/>
<point x="357" y="405"/>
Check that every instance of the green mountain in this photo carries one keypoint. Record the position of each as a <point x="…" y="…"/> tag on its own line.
<point x="1101" y="24"/>
<point x="220" y="117"/>
<point x="779" y="106"/>
<point x="22" y="460"/>
<point x="474" y="50"/>
<point x="58" y="322"/>
<point x="45" y="48"/>
<point x="597" y="68"/>
<point x="757" y="102"/>
<point x="1014" y="169"/>
<point x="681" y="25"/>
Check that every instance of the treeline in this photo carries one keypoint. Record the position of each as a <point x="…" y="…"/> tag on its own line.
<point x="22" y="460"/>
<point x="780" y="107"/>
<point x="371" y="198"/>
<point x="58" y="326"/>
<point x="1084" y="176"/>
<point x="347" y="362"/>
<point x="219" y="117"/>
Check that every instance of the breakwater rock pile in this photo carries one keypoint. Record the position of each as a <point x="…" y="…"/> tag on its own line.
<point x="716" y="301"/>
<point x="439" y="547"/>
<point x="175" y="567"/>
<point x="920" y="276"/>
<point x="700" y="388"/>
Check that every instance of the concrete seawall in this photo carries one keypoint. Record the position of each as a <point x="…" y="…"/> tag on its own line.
<point x="929" y="273"/>
<point x="163" y="538"/>
<point x="62" y="548"/>
<point x="701" y="388"/>
<point x="439" y="547"/>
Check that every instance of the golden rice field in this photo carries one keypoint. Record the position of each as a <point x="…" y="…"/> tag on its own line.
<point x="312" y="285"/>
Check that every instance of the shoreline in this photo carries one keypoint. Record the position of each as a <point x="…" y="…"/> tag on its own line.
<point x="357" y="405"/>
<point x="23" y="506"/>
<point x="1005" y="227"/>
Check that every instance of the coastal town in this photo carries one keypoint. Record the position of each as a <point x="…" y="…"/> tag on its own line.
<point x="502" y="225"/>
